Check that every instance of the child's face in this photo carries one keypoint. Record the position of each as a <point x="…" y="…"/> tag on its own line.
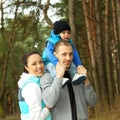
<point x="65" y="35"/>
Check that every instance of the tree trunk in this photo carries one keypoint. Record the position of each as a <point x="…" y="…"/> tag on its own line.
<point x="2" y="14"/>
<point x="107" y="55"/>
<point x="99" y="54"/>
<point x="91" y="48"/>
<point x="72" y="19"/>
<point x="115" y="44"/>
<point x="118" y="47"/>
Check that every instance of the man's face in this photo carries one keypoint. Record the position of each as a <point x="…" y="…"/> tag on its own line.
<point x="65" y="55"/>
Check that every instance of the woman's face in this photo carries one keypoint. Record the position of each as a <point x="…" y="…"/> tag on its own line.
<point x="35" y="66"/>
<point x="65" y="35"/>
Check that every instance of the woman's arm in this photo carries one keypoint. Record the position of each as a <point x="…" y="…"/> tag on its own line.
<point x="32" y="95"/>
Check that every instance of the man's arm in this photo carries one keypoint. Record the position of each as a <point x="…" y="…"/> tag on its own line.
<point x="50" y="89"/>
<point x="90" y="94"/>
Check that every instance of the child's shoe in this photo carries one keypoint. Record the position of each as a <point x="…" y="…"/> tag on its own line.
<point x="65" y="81"/>
<point x="78" y="78"/>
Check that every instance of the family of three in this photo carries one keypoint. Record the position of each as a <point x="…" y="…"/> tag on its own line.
<point x="44" y="95"/>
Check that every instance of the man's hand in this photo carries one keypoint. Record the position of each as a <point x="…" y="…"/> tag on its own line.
<point x="60" y="70"/>
<point x="82" y="70"/>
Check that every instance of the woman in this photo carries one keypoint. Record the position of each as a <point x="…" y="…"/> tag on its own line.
<point x="30" y="97"/>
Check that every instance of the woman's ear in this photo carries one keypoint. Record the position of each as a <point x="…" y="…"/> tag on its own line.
<point x="26" y="68"/>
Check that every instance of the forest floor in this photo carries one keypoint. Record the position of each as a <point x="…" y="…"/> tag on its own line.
<point x="103" y="114"/>
<point x="106" y="116"/>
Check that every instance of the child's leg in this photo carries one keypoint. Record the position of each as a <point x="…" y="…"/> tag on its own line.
<point x="76" y="78"/>
<point x="52" y="70"/>
<point x="73" y="70"/>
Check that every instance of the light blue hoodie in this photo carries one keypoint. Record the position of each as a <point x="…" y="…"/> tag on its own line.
<point x="30" y="99"/>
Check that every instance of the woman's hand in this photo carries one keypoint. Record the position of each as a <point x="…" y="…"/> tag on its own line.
<point x="47" y="108"/>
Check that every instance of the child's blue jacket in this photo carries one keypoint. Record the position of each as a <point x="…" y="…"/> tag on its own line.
<point x="48" y="53"/>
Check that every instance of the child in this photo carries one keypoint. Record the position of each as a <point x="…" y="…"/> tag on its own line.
<point x="62" y="31"/>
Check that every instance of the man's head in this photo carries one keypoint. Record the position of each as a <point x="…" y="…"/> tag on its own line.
<point x="64" y="52"/>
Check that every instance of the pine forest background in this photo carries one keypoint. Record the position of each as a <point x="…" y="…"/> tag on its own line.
<point x="95" y="24"/>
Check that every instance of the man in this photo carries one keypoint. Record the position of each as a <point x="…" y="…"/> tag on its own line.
<point x="69" y="102"/>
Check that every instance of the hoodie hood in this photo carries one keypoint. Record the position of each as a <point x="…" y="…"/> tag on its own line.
<point x="54" y="38"/>
<point x="26" y="76"/>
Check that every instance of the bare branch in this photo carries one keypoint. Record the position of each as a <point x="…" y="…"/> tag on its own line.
<point x="45" y="9"/>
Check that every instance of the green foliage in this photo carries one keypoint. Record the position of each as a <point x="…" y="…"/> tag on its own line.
<point x="61" y="9"/>
<point x="1" y="112"/>
<point x="20" y="35"/>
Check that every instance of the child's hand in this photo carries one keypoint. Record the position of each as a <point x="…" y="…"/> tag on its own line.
<point x="82" y="70"/>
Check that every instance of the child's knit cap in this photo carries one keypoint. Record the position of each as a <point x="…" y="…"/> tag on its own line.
<point x="60" y="26"/>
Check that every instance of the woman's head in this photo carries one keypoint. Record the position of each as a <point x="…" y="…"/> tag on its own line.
<point x="62" y="28"/>
<point x="33" y="63"/>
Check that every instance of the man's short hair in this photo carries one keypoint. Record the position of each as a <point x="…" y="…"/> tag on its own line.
<point x="61" y="43"/>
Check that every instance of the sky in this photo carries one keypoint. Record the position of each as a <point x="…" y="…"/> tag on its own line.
<point x="54" y="1"/>
<point x="11" y="11"/>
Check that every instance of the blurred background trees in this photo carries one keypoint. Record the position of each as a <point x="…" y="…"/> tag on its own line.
<point x="26" y="24"/>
